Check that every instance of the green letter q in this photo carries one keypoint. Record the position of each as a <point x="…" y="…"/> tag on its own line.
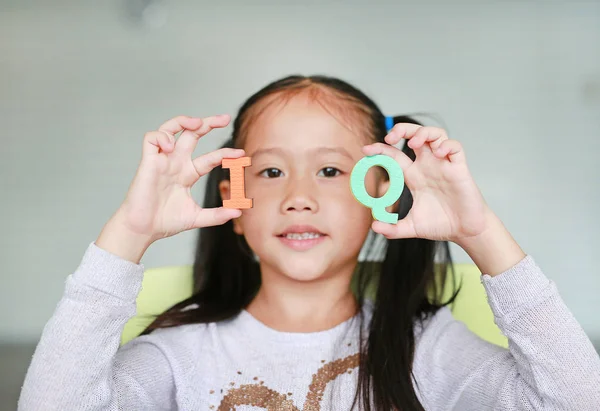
<point x="378" y="205"/>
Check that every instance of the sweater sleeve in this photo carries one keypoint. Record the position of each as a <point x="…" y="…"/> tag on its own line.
<point x="550" y="364"/>
<point x="78" y="364"/>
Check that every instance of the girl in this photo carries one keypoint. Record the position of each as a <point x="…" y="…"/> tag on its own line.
<point x="274" y="322"/>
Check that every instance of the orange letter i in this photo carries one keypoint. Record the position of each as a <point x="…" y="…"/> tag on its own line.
<point x="237" y="196"/>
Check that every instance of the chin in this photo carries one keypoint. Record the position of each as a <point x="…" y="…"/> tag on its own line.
<point x="304" y="270"/>
<point x="304" y="277"/>
<point x="301" y="269"/>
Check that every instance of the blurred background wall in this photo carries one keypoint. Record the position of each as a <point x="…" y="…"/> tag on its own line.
<point x="518" y="83"/>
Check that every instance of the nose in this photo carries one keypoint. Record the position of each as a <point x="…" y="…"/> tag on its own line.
<point x="300" y="196"/>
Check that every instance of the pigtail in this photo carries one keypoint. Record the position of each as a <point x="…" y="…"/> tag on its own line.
<point x="411" y="280"/>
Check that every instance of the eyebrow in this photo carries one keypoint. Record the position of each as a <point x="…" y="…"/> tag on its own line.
<point x="284" y="153"/>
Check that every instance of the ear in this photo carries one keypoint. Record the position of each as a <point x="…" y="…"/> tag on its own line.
<point x="224" y="190"/>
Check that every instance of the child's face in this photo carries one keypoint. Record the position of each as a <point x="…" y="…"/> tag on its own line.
<point x="302" y="158"/>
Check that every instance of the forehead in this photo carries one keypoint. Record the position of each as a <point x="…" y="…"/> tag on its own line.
<point x="304" y="121"/>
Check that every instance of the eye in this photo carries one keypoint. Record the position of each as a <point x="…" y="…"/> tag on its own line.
<point x="329" y="172"/>
<point x="271" y="173"/>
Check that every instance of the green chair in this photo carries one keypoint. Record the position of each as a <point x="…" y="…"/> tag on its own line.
<point x="164" y="286"/>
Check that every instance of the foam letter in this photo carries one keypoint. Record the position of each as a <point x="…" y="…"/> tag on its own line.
<point x="237" y="192"/>
<point x="378" y="205"/>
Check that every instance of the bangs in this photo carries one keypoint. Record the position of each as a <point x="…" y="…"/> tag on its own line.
<point x="347" y="110"/>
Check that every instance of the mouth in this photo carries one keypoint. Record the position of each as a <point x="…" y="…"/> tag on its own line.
<point x="301" y="237"/>
<point x="301" y="232"/>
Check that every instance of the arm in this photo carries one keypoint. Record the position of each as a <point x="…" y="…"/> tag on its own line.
<point x="78" y="364"/>
<point x="550" y="364"/>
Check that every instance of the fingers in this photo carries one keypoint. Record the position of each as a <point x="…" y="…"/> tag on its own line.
<point x="188" y="140"/>
<point x="451" y="149"/>
<point x="390" y="151"/>
<point x="205" y="163"/>
<point x="157" y="141"/>
<point x="402" y="229"/>
<point x="207" y="217"/>
<point x="400" y="131"/>
<point x="179" y="123"/>
<point x="416" y="135"/>
<point x="163" y="140"/>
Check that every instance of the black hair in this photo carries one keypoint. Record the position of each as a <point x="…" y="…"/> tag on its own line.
<point x="410" y="280"/>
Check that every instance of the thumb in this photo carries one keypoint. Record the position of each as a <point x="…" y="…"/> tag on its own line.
<point x="207" y="217"/>
<point x="402" y="229"/>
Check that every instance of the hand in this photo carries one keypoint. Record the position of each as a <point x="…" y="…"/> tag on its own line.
<point x="447" y="204"/>
<point x="158" y="203"/>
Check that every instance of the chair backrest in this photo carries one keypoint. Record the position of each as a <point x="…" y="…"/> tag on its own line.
<point x="165" y="286"/>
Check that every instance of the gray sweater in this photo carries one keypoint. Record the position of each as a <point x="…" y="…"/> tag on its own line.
<point x="242" y="364"/>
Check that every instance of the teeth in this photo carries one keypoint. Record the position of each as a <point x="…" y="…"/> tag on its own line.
<point x="302" y="236"/>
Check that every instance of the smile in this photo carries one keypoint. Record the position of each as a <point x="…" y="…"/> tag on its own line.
<point x="302" y="236"/>
<point x="301" y="241"/>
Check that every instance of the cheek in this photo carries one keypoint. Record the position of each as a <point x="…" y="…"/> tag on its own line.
<point x="351" y="227"/>
<point x="346" y="212"/>
<point x="252" y="229"/>
<point x="251" y="218"/>
<point x="255" y="222"/>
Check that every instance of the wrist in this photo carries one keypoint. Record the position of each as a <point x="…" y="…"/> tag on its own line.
<point x="494" y="250"/>
<point x="117" y="238"/>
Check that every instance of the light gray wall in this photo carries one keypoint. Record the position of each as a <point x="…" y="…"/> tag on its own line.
<point x="80" y="82"/>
